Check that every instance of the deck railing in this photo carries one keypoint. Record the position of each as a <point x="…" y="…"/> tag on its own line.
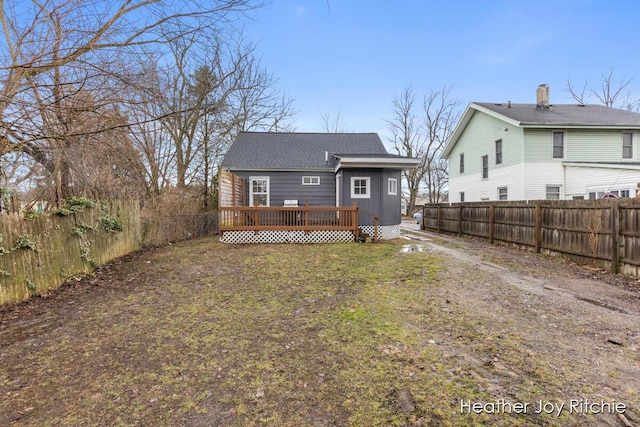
<point x="306" y="218"/>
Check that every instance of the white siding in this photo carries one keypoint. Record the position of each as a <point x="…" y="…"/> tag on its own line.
<point x="476" y="189"/>
<point x="538" y="175"/>
<point x="581" y="180"/>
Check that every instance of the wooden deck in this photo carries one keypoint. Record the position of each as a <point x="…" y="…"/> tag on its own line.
<point x="303" y="218"/>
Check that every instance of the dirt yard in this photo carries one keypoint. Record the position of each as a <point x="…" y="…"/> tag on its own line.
<point x="425" y="331"/>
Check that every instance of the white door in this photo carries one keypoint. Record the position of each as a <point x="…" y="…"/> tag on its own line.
<point x="259" y="191"/>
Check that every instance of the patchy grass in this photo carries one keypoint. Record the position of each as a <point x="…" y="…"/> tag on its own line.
<point x="203" y="333"/>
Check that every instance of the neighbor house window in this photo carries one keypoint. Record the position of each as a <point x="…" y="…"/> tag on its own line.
<point x="498" y="151"/>
<point x="462" y="196"/>
<point x="485" y="167"/>
<point x="259" y="191"/>
<point x="461" y="162"/>
<point x="553" y="192"/>
<point x="627" y="145"/>
<point x="392" y="186"/>
<point x="360" y="187"/>
<point x="502" y="193"/>
<point x="310" y="180"/>
<point x="558" y="145"/>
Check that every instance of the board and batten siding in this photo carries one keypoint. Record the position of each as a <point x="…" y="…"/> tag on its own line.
<point x="287" y="185"/>
<point x="379" y="203"/>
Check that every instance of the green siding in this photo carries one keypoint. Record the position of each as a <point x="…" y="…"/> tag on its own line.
<point x="581" y="145"/>
<point x="478" y="139"/>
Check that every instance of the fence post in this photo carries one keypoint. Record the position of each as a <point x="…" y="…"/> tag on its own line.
<point x="439" y="218"/>
<point x="538" y="227"/>
<point x="615" y="228"/>
<point x="460" y="217"/>
<point x="491" y="219"/>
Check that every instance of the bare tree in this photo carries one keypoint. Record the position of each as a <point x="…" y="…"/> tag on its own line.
<point x="423" y="137"/>
<point x="333" y="125"/>
<point x="68" y="56"/>
<point x="608" y="92"/>
<point x="408" y="139"/>
<point x="441" y="115"/>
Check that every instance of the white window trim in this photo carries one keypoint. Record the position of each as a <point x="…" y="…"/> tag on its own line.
<point x="564" y="144"/>
<point x="633" y="146"/>
<point x="259" y="178"/>
<point x="311" y="180"/>
<point x="506" y="191"/>
<point x="482" y="168"/>
<point x="546" y="191"/>
<point x="361" y="196"/>
<point x="392" y="186"/>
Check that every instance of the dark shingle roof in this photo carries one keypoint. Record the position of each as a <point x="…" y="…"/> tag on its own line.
<point x="565" y="114"/>
<point x="275" y="150"/>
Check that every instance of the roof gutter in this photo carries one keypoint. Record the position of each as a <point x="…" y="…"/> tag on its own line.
<point x="376" y="162"/>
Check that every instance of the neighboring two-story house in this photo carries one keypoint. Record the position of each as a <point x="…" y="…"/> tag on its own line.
<point x="542" y="151"/>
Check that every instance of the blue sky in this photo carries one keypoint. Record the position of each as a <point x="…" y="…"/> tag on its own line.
<point x="352" y="57"/>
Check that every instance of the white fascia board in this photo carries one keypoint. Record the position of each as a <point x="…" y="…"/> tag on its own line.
<point x="464" y="121"/>
<point x="376" y="162"/>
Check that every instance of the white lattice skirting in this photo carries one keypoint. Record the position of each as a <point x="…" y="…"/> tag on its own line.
<point x="386" y="232"/>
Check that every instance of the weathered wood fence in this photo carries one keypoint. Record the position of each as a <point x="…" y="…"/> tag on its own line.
<point x="42" y="253"/>
<point x="160" y="230"/>
<point x="605" y="233"/>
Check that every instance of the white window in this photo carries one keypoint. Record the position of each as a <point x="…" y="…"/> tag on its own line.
<point x="360" y="187"/>
<point x="553" y="192"/>
<point x="558" y="145"/>
<point x="392" y="186"/>
<point x="259" y="191"/>
<point x="627" y="145"/>
<point x="502" y="193"/>
<point x="461" y="162"/>
<point x="310" y="180"/>
<point x="462" y="196"/>
<point x="498" y="151"/>
<point x="485" y="167"/>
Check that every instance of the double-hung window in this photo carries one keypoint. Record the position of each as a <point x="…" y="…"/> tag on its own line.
<point x="627" y="145"/>
<point x="360" y="187"/>
<point x="502" y="193"/>
<point x="498" y="151"/>
<point x="461" y="162"/>
<point x="485" y="167"/>
<point x="553" y="192"/>
<point x="558" y="145"/>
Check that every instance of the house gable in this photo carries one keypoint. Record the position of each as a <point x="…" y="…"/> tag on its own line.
<point x="527" y="166"/>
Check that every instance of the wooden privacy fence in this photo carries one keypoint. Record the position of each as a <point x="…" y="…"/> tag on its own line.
<point x="605" y="232"/>
<point x="42" y="253"/>
<point x="160" y="230"/>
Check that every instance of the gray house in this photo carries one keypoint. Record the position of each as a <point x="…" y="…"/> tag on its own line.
<point x="316" y="169"/>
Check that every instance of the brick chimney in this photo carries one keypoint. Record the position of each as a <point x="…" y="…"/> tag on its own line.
<point x="542" y="97"/>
